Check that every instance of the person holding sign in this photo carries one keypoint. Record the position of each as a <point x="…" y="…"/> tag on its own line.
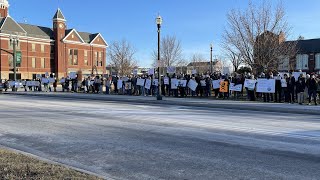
<point x="224" y="87"/>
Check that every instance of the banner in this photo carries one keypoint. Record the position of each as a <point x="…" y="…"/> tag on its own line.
<point x="174" y="83"/>
<point x="148" y="84"/>
<point x="166" y="81"/>
<point x="193" y="85"/>
<point x="182" y="83"/>
<point x="36" y="83"/>
<point x="140" y="82"/>
<point x="237" y="88"/>
<point x="224" y="86"/>
<point x="284" y="83"/>
<point x="127" y="85"/>
<point x="29" y="83"/>
<point x="151" y="71"/>
<point x="119" y="84"/>
<point x="171" y="69"/>
<point x="266" y="85"/>
<point x="216" y="84"/>
<point x="155" y="82"/>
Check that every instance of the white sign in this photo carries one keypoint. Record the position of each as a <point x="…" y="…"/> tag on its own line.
<point x="36" y="83"/>
<point x="266" y="86"/>
<point x="119" y="85"/>
<point x="194" y="71"/>
<point x="193" y="85"/>
<point x="284" y="83"/>
<point x="171" y="69"/>
<point x="135" y="72"/>
<point x="182" y="83"/>
<point x="203" y="83"/>
<point x="73" y="75"/>
<point x="62" y="81"/>
<point x="51" y="80"/>
<point x="166" y="81"/>
<point x="297" y="75"/>
<point x="216" y="84"/>
<point x="28" y="83"/>
<point x="125" y="79"/>
<point x="38" y="76"/>
<point x="174" y="83"/>
<point x="237" y="88"/>
<point x="155" y="82"/>
<point x="148" y="84"/>
<point x="250" y="84"/>
<point x="151" y="71"/>
<point x="140" y="82"/>
<point x="45" y="81"/>
<point x="47" y="74"/>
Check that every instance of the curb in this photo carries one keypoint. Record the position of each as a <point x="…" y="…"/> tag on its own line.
<point x="187" y="104"/>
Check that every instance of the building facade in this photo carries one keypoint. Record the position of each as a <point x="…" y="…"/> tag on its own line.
<point x="55" y="50"/>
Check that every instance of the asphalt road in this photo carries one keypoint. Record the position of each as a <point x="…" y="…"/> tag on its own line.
<point x="128" y="141"/>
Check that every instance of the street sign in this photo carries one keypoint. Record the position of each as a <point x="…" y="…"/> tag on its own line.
<point x="18" y="57"/>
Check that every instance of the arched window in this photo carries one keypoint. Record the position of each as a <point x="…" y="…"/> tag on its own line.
<point x="302" y="62"/>
<point x="318" y="61"/>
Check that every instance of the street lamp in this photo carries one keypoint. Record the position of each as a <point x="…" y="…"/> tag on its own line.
<point x="14" y="41"/>
<point x="159" y="22"/>
<point x="211" y="63"/>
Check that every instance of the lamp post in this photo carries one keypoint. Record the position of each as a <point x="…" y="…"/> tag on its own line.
<point x="211" y="63"/>
<point x="159" y="22"/>
<point x="14" y="41"/>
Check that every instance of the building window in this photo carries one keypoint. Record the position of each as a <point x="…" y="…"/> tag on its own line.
<point x="33" y="62"/>
<point x="86" y="58"/>
<point x="96" y="58"/>
<point x="43" y="62"/>
<point x="284" y="63"/>
<point x="73" y="56"/>
<point x="42" y="48"/>
<point x="33" y="47"/>
<point x="100" y="59"/>
<point x="318" y="61"/>
<point x="11" y="45"/>
<point x="302" y="62"/>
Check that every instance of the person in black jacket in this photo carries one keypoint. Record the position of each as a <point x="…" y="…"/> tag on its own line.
<point x="312" y="89"/>
<point x="291" y="81"/>
<point x="300" y="88"/>
<point x="278" y="92"/>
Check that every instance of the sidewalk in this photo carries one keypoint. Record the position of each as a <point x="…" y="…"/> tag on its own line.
<point x="192" y="102"/>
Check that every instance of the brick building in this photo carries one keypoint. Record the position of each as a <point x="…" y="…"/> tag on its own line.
<point x="55" y="50"/>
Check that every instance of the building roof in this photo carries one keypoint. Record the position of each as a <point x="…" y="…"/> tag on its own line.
<point x="59" y="15"/>
<point x="308" y="46"/>
<point x="201" y="63"/>
<point x="37" y="31"/>
<point x="87" y="37"/>
<point x="10" y="26"/>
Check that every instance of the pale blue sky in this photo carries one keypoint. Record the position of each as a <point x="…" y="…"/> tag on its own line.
<point x="195" y="23"/>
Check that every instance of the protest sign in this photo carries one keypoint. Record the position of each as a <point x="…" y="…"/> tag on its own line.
<point x="72" y="75"/>
<point x="237" y="88"/>
<point x="148" y="84"/>
<point x="36" y="83"/>
<point x="38" y="76"/>
<point x="203" y="83"/>
<point x="166" y="81"/>
<point x="151" y="71"/>
<point x="125" y="79"/>
<point x="135" y="72"/>
<point x="51" y="80"/>
<point x="194" y="71"/>
<point x="284" y="83"/>
<point x="28" y="83"/>
<point x="171" y="69"/>
<point x="193" y="85"/>
<point x="297" y="75"/>
<point x="140" y="82"/>
<point x="182" y="83"/>
<point x="216" y="84"/>
<point x="62" y="81"/>
<point x="224" y="86"/>
<point x="45" y="81"/>
<point x="174" y="83"/>
<point x="119" y="84"/>
<point x="127" y="85"/>
<point x="266" y="85"/>
<point x="155" y="82"/>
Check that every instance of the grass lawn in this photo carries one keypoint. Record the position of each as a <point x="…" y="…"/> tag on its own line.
<point x="17" y="166"/>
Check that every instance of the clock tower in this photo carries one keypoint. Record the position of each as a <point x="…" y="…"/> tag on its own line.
<point x="59" y="29"/>
<point x="4" y="6"/>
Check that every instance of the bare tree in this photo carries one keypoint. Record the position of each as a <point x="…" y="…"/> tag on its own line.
<point x="258" y="34"/>
<point x="122" y="57"/>
<point x="234" y="57"/>
<point x="170" y="52"/>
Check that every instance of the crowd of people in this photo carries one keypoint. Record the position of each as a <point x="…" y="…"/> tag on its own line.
<point x="288" y="88"/>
